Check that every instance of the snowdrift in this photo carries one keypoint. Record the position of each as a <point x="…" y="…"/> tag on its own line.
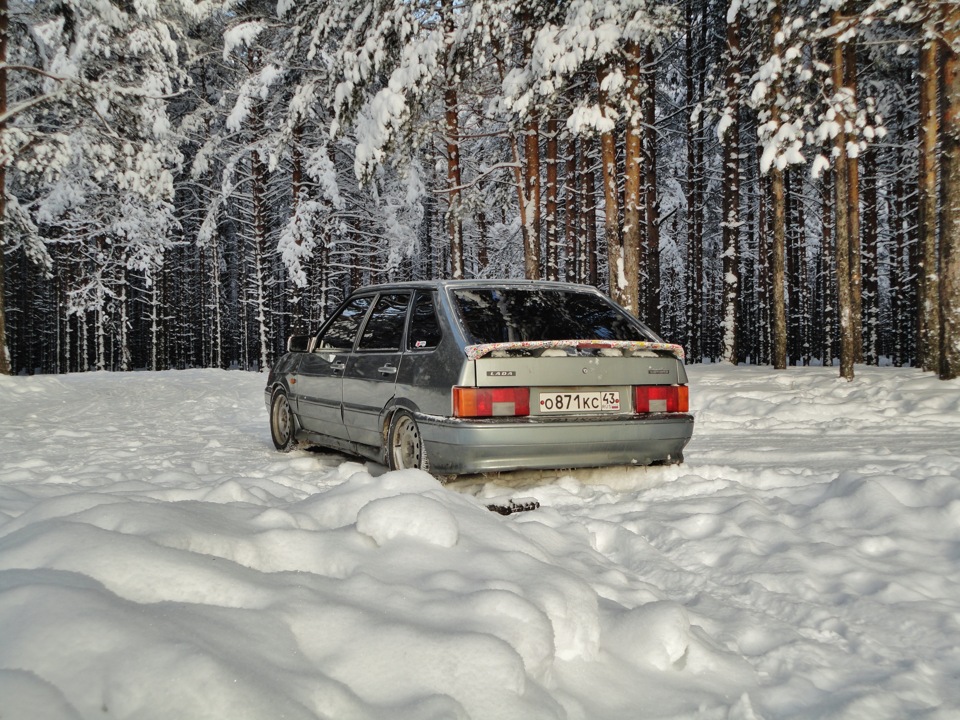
<point x="159" y="560"/>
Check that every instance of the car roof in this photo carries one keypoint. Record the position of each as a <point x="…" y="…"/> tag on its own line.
<point x="454" y="284"/>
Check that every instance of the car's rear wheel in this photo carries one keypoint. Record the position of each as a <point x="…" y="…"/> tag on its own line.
<point x="282" y="428"/>
<point x="405" y="450"/>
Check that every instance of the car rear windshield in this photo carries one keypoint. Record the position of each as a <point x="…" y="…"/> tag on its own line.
<point x="492" y="315"/>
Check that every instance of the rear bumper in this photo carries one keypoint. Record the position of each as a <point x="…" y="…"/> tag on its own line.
<point x="474" y="446"/>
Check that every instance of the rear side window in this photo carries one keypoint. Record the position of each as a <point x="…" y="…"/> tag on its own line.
<point x="342" y="331"/>
<point x="492" y="315"/>
<point x="424" y="328"/>
<point x="384" y="329"/>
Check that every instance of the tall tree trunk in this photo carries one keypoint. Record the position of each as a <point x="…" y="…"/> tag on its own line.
<point x="842" y="195"/>
<point x="927" y="280"/>
<point x="611" y="198"/>
<point x="258" y="171"/>
<point x="572" y="213"/>
<point x="765" y="328"/>
<point x="694" y="308"/>
<point x="651" y="288"/>
<point x="552" y="225"/>
<point x="531" y="184"/>
<point x="869" y="254"/>
<point x="215" y="305"/>
<point x="454" y="177"/>
<point x="950" y="238"/>
<point x="483" y="242"/>
<point x="731" y="200"/>
<point x="454" y="183"/>
<point x="853" y="188"/>
<point x="778" y="269"/>
<point x="296" y="187"/>
<point x="899" y="283"/>
<point x="827" y="274"/>
<point x="631" y="183"/>
<point x="4" y="30"/>
<point x="122" y="325"/>
<point x="778" y="300"/>
<point x="588" y="217"/>
<point x="792" y="275"/>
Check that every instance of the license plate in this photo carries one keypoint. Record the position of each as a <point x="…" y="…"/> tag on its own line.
<point x="574" y="402"/>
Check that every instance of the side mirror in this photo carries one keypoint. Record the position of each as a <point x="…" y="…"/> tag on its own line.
<point x="300" y="343"/>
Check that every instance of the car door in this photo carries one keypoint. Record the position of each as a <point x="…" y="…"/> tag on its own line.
<point x="320" y="377"/>
<point x="371" y="372"/>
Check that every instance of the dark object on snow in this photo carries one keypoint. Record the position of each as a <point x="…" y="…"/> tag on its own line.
<point x="478" y="376"/>
<point x="515" y="506"/>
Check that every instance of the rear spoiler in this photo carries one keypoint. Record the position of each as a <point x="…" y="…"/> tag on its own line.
<point x="475" y="352"/>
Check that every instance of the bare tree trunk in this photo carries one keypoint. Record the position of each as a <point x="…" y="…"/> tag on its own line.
<point x="778" y="251"/>
<point x="899" y="284"/>
<point x="794" y="273"/>
<point x="827" y="275"/>
<point x="296" y="186"/>
<point x="589" y="215"/>
<point x="572" y="214"/>
<point x="842" y="178"/>
<point x="764" y="274"/>
<point x="778" y="270"/>
<point x="929" y="301"/>
<point x="454" y="177"/>
<point x="483" y="239"/>
<point x="611" y="199"/>
<point x="694" y="307"/>
<point x="531" y="184"/>
<point x="631" y="184"/>
<point x="4" y="30"/>
<point x="122" y="329"/>
<point x="454" y="183"/>
<point x="950" y="237"/>
<point x="869" y="254"/>
<point x="258" y="187"/>
<point x="853" y="188"/>
<point x="651" y="289"/>
<point x="731" y="200"/>
<point x="552" y="226"/>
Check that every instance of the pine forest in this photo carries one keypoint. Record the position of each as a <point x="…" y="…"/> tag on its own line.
<point x="188" y="182"/>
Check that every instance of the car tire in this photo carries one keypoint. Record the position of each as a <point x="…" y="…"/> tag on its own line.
<point x="282" y="424"/>
<point x="405" y="448"/>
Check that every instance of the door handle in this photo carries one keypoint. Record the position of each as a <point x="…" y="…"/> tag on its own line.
<point x="338" y="367"/>
<point x="387" y="370"/>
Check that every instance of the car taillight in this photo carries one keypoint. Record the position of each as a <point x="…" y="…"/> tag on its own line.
<point x="491" y="402"/>
<point x="661" y="398"/>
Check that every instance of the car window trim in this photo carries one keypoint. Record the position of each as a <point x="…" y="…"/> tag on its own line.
<point x="363" y="326"/>
<point x="356" y="337"/>
<point x="432" y="294"/>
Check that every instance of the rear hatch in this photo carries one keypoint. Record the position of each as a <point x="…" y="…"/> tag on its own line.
<point x="585" y="377"/>
<point x="560" y="349"/>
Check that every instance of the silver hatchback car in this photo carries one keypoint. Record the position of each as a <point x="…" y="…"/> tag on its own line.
<point x="479" y="376"/>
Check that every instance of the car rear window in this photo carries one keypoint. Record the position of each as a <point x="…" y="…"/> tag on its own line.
<point x="492" y="315"/>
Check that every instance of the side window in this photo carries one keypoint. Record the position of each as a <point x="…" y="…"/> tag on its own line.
<point x="424" y="328"/>
<point x="384" y="329"/>
<point x="342" y="331"/>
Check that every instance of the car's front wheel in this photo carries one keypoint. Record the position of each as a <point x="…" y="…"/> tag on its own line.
<point x="405" y="450"/>
<point x="282" y="428"/>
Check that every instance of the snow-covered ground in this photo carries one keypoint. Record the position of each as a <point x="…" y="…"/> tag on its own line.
<point x="158" y="559"/>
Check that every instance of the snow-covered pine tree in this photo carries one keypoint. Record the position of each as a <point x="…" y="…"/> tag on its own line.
<point x="87" y="128"/>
